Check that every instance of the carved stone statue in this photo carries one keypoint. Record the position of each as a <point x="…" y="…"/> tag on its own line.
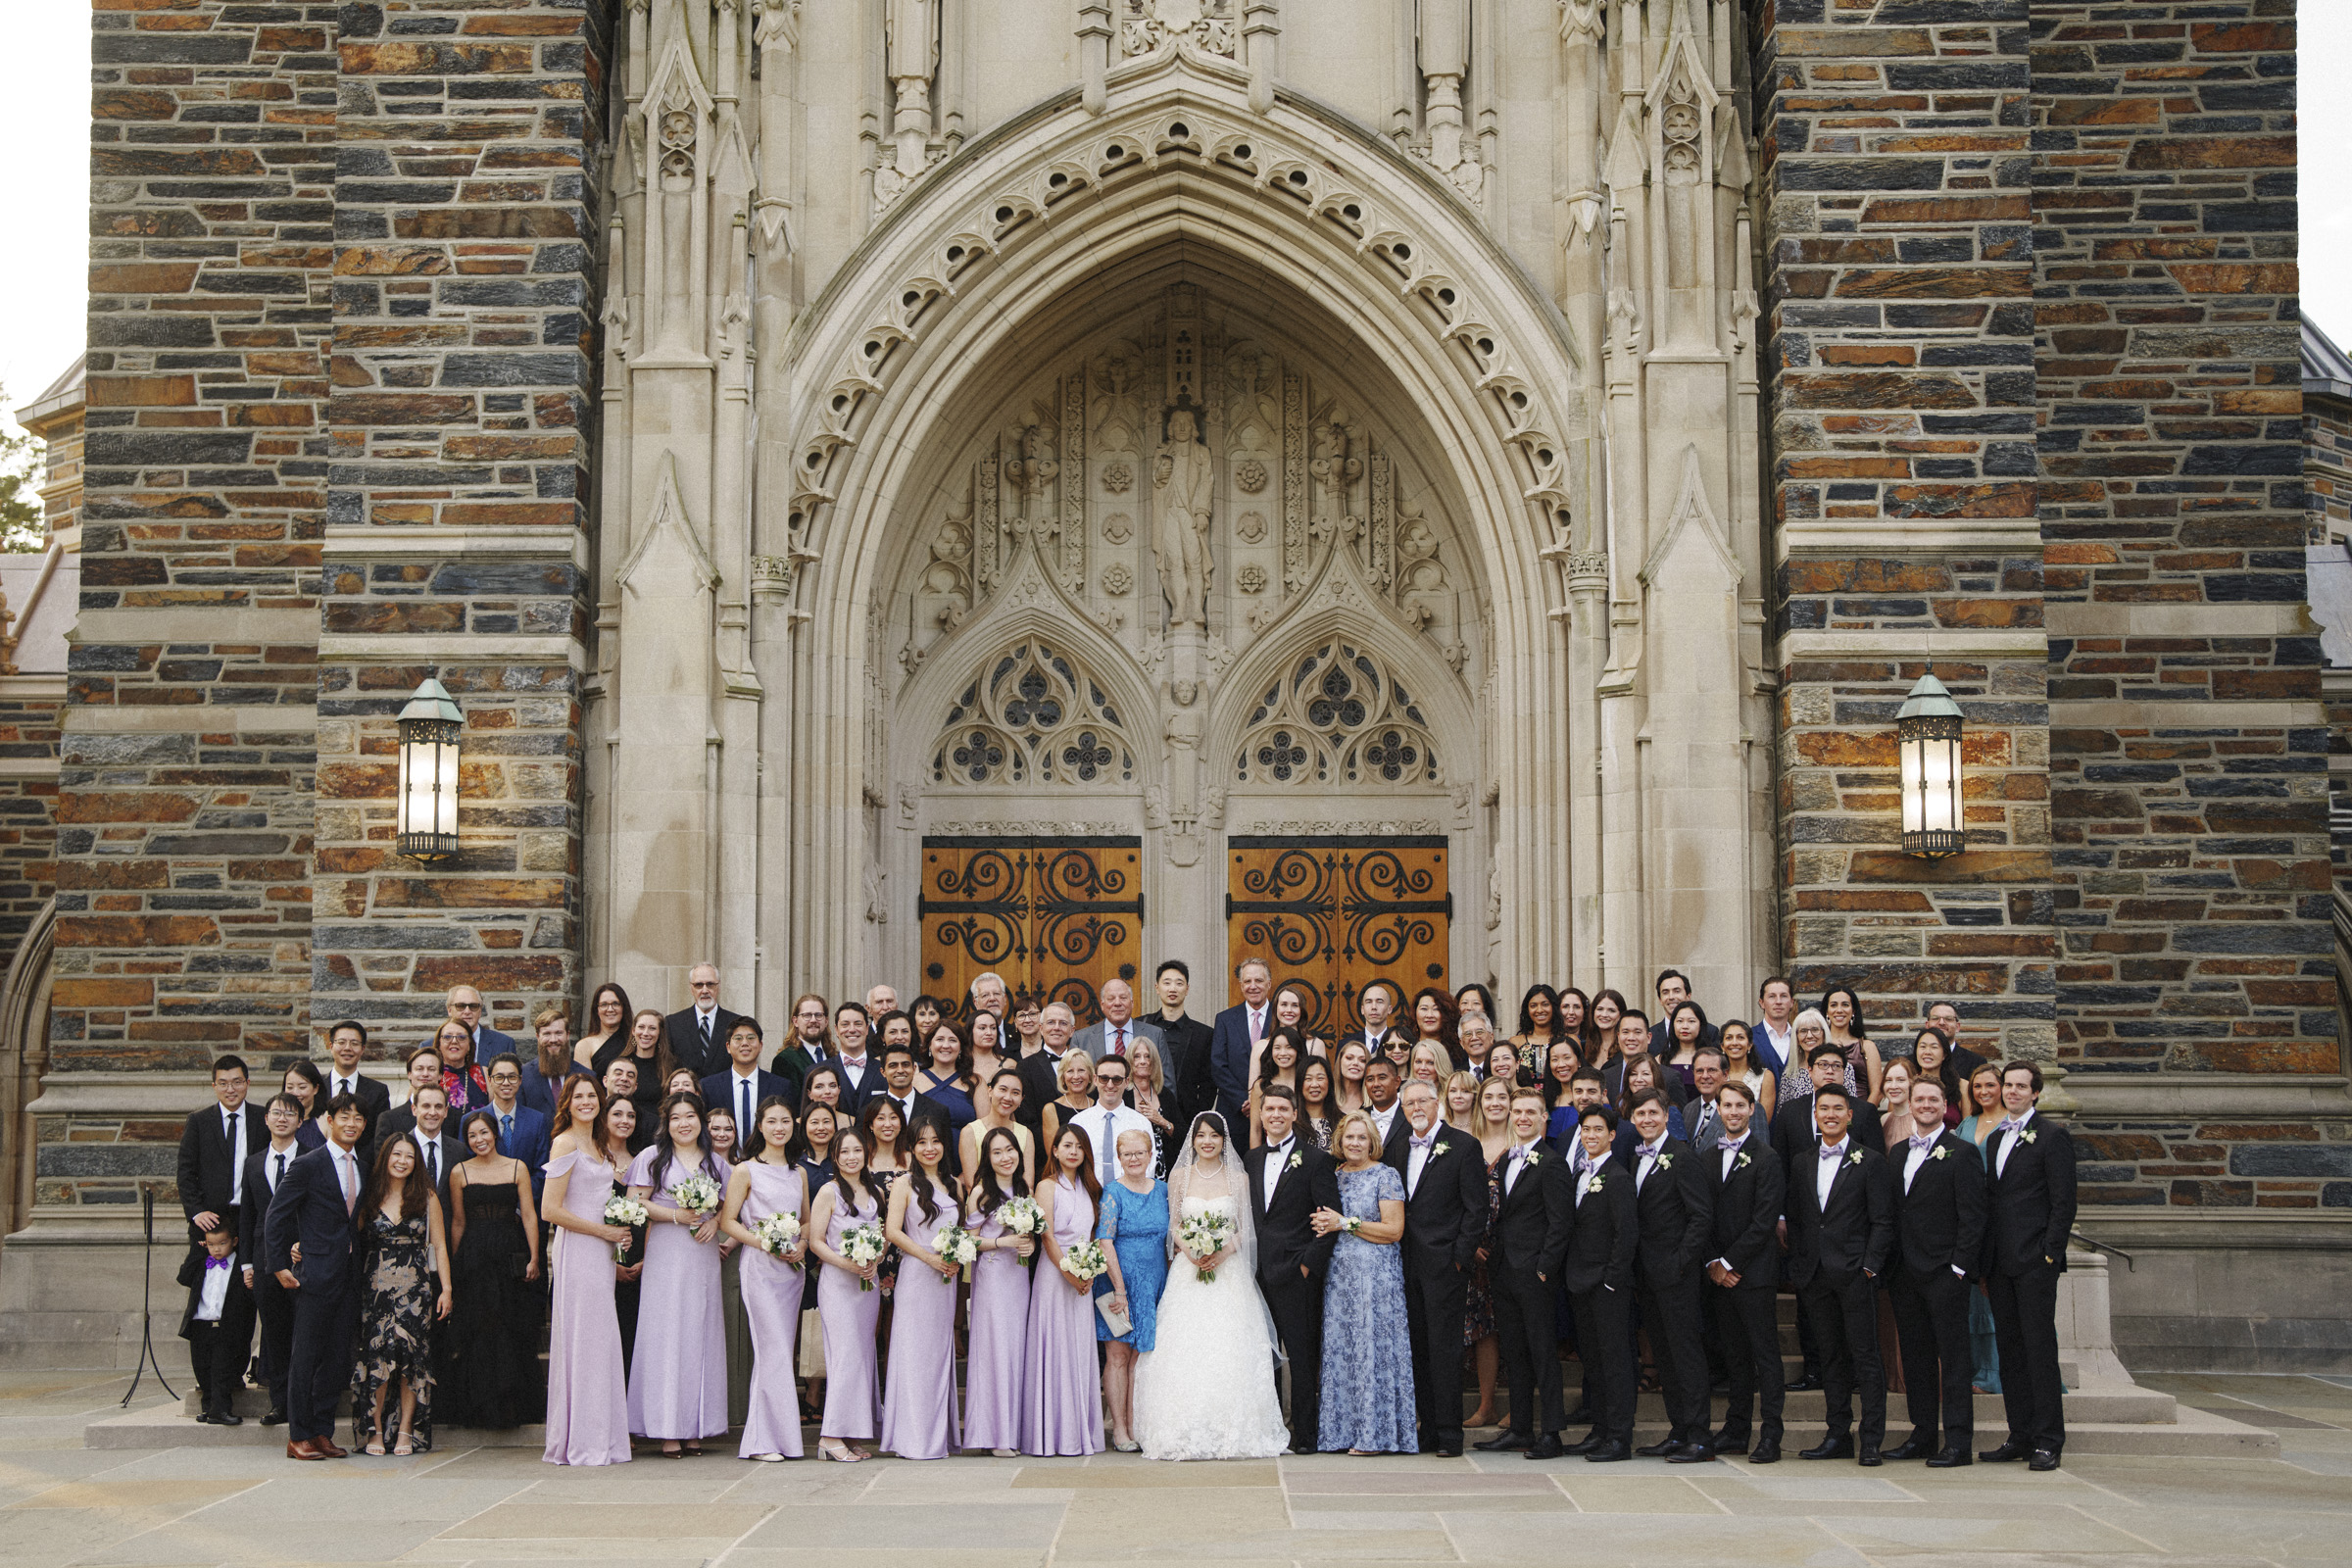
<point x="1185" y="476"/>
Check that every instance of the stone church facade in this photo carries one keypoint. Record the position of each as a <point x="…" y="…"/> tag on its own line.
<point x="1446" y="488"/>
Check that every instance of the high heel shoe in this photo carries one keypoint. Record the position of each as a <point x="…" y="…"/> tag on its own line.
<point x="835" y="1450"/>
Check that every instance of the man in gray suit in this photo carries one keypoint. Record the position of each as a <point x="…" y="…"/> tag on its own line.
<point x="1119" y="1026"/>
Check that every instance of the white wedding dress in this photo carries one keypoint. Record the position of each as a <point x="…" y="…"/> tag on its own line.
<point x="1205" y="1389"/>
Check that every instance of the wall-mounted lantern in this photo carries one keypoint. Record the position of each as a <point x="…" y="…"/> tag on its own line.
<point x="429" y="727"/>
<point x="1928" y="732"/>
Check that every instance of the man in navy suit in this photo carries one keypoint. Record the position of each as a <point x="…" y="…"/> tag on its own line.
<point x="2031" y="1213"/>
<point x="465" y="1004"/>
<point x="522" y="1133"/>
<point x="316" y="1210"/>
<point x="1238" y="1029"/>
<point x="745" y="1083"/>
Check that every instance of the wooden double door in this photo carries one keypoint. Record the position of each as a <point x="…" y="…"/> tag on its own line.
<point x="1055" y="917"/>
<point x="1330" y="914"/>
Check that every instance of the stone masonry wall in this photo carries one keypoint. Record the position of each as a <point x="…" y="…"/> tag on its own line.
<point x="466" y="218"/>
<point x="2188" y="753"/>
<point x="1900" y="347"/>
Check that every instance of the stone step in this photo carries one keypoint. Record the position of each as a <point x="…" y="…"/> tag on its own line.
<point x="163" y="1426"/>
<point x="2131" y="1407"/>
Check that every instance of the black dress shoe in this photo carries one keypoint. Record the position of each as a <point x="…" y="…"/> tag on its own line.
<point x="1609" y="1453"/>
<point x="1546" y="1447"/>
<point x="1693" y="1453"/>
<point x="1869" y="1457"/>
<point x="1586" y="1444"/>
<point x="1914" y="1447"/>
<point x="1580" y="1416"/>
<point x="273" y="1417"/>
<point x="204" y="1418"/>
<point x="2008" y="1452"/>
<point x="1304" y="1448"/>
<point x="2043" y="1459"/>
<point x="1448" y="1451"/>
<point x="1803" y="1385"/>
<point x="1658" y="1449"/>
<point x="1766" y="1452"/>
<point x="1834" y="1446"/>
<point x="1729" y="1442"/>
<point x="228" y="1418"/>
<point x="1503" y="1442"/>
<point x="1951" y="1459"/>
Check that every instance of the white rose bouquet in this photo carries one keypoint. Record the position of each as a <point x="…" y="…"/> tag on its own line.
<point x="778" y="1233"/>
<point x="1202" y="1237"/>
<point x="1084" y="1261"/>
<point x="1021" y="1217"/>
<point x="627" y="1212"/>
<point x="958" y="1247"/>
<point x="862" y="1245"/>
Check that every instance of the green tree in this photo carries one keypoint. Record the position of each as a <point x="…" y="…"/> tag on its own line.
<point x="22" y="525"/>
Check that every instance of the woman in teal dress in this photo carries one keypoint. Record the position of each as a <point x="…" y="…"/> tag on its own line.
<point x="1133" y="1231"/>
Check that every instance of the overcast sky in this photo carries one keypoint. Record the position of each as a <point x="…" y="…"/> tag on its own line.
<point x="44" y="99"/>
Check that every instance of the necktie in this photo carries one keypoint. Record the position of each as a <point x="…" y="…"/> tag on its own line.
<point x="281" y="1174"/>
<point x="1118" y="1044"/>
<point x="701" y="1021"/>
<point x="432" y="1162"/>
<point x="237" y="1161"/>
<point x="348" y="1179"/>
<point x="1257" y="1025"/>
<point x="744" y="1121"/>
<point x="505" y="1129"/>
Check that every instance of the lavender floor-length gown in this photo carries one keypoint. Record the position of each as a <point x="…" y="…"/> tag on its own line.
<point x="771" y="1299"/>
<point x="849" y="1315"/>
<point x="998" y="1346"/>
<point x="678" y="1375"/>
<point x="918" y="1412"/>
<point x="587" y="1398"/>
<point x="1061" y="1392"/>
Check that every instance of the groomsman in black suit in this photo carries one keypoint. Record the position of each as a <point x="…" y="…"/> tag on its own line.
<point x="437" y="1144"/>
<point x="1840" y="1233"/>
<point x="1524" y="1254"/>
<point x="1743" y="1294"/>
<point x="1793" y="1133"/>
<point x="1444" y="1222"/>
<point x="316" y="1210"/>
<point x="1604" y="1232"/>
<point x="2031" y="1212"/>
<point x="347" y="1044"/>
<point x="1289" y="1178"/>
<point x="1674" y="1206"/>
<point x="265" y="1173"/>
<point x="741" y="1086"/>
<point x="1939" y="1227"/>
<point x="1184" y="1043"/>
<point x="213" y="1145"/>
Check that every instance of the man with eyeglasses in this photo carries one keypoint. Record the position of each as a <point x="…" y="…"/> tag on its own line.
<point x="698" y="1035"/>
<point x="1110" y="1115"/>
<point x="465" y="1004"/>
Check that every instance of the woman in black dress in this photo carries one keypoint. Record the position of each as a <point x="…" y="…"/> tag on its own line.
<point x="403" y="1283"/>
<point x="493" y="1330"/>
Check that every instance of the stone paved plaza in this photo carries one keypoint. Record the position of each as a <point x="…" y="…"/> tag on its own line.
<point x="63" y="1504"/>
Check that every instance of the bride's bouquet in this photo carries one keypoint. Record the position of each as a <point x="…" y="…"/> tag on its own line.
<point x="960" y="1247"/>
<point x="698" y="1194"/>
<point x="1084" y="1261"/>
<point x="1202" y="1237"/>
<point x="628" y="1212"/>
<point x="778" y="1233"/>
<point x="862" y="1245"/>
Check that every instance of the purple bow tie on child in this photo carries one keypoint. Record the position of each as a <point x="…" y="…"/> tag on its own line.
<point x="217" y="1263"/>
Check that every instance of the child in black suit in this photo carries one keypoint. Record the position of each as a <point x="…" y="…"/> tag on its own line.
<point x="218" y="1322"/>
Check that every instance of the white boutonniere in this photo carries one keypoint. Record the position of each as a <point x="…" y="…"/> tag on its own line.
<point x="1594" y="1186"/>
<point x="1854" y="1158"/>
<point x="1297" y="1158"/>
<point x="1665" y="1162"/>
<point x="1742" y="1162"/>
<point x="2027" y="1136"/>
<point x="1940" y="1152"/>
<point x="1440" y="1148"/>
<point x="1534" y="1156"/>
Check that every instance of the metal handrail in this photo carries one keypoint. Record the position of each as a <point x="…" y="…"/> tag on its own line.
<point x="2130" y="1267"/>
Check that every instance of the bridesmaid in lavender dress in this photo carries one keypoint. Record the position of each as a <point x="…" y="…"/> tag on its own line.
<point x="678" y="1379"/>
<point x="996" y="1352"/>
<point x="918" y="1412"/>
<point x="769" y="1182"/>
<point x="1061" y="1399"/>
<point x="587" y="1399"/>
<point x="847" y="1301"/>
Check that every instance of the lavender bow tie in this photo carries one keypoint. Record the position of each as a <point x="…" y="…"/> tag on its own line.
<point x="1728" y="1143"/>
<point x="1828" y="1153"/>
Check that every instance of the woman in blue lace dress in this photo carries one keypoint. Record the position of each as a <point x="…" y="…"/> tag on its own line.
<point x="1134" y="1228"/>
<point x="1367" y="1386"/>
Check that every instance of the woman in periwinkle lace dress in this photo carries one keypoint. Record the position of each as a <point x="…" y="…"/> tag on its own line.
<point x="1206" y="1390"/>
<point x="1367" y="1404"/>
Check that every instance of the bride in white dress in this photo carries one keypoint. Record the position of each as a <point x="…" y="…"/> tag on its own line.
<point x="1206" y="1390"/>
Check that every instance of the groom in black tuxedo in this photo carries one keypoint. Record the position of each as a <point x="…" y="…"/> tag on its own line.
<point x="1289" y="1178"/>
<point x="1445" y="1224"/>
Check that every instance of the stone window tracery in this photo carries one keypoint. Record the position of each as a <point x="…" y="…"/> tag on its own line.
<point x="1033" y="716"/>
<point x="1338" y="715"/>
